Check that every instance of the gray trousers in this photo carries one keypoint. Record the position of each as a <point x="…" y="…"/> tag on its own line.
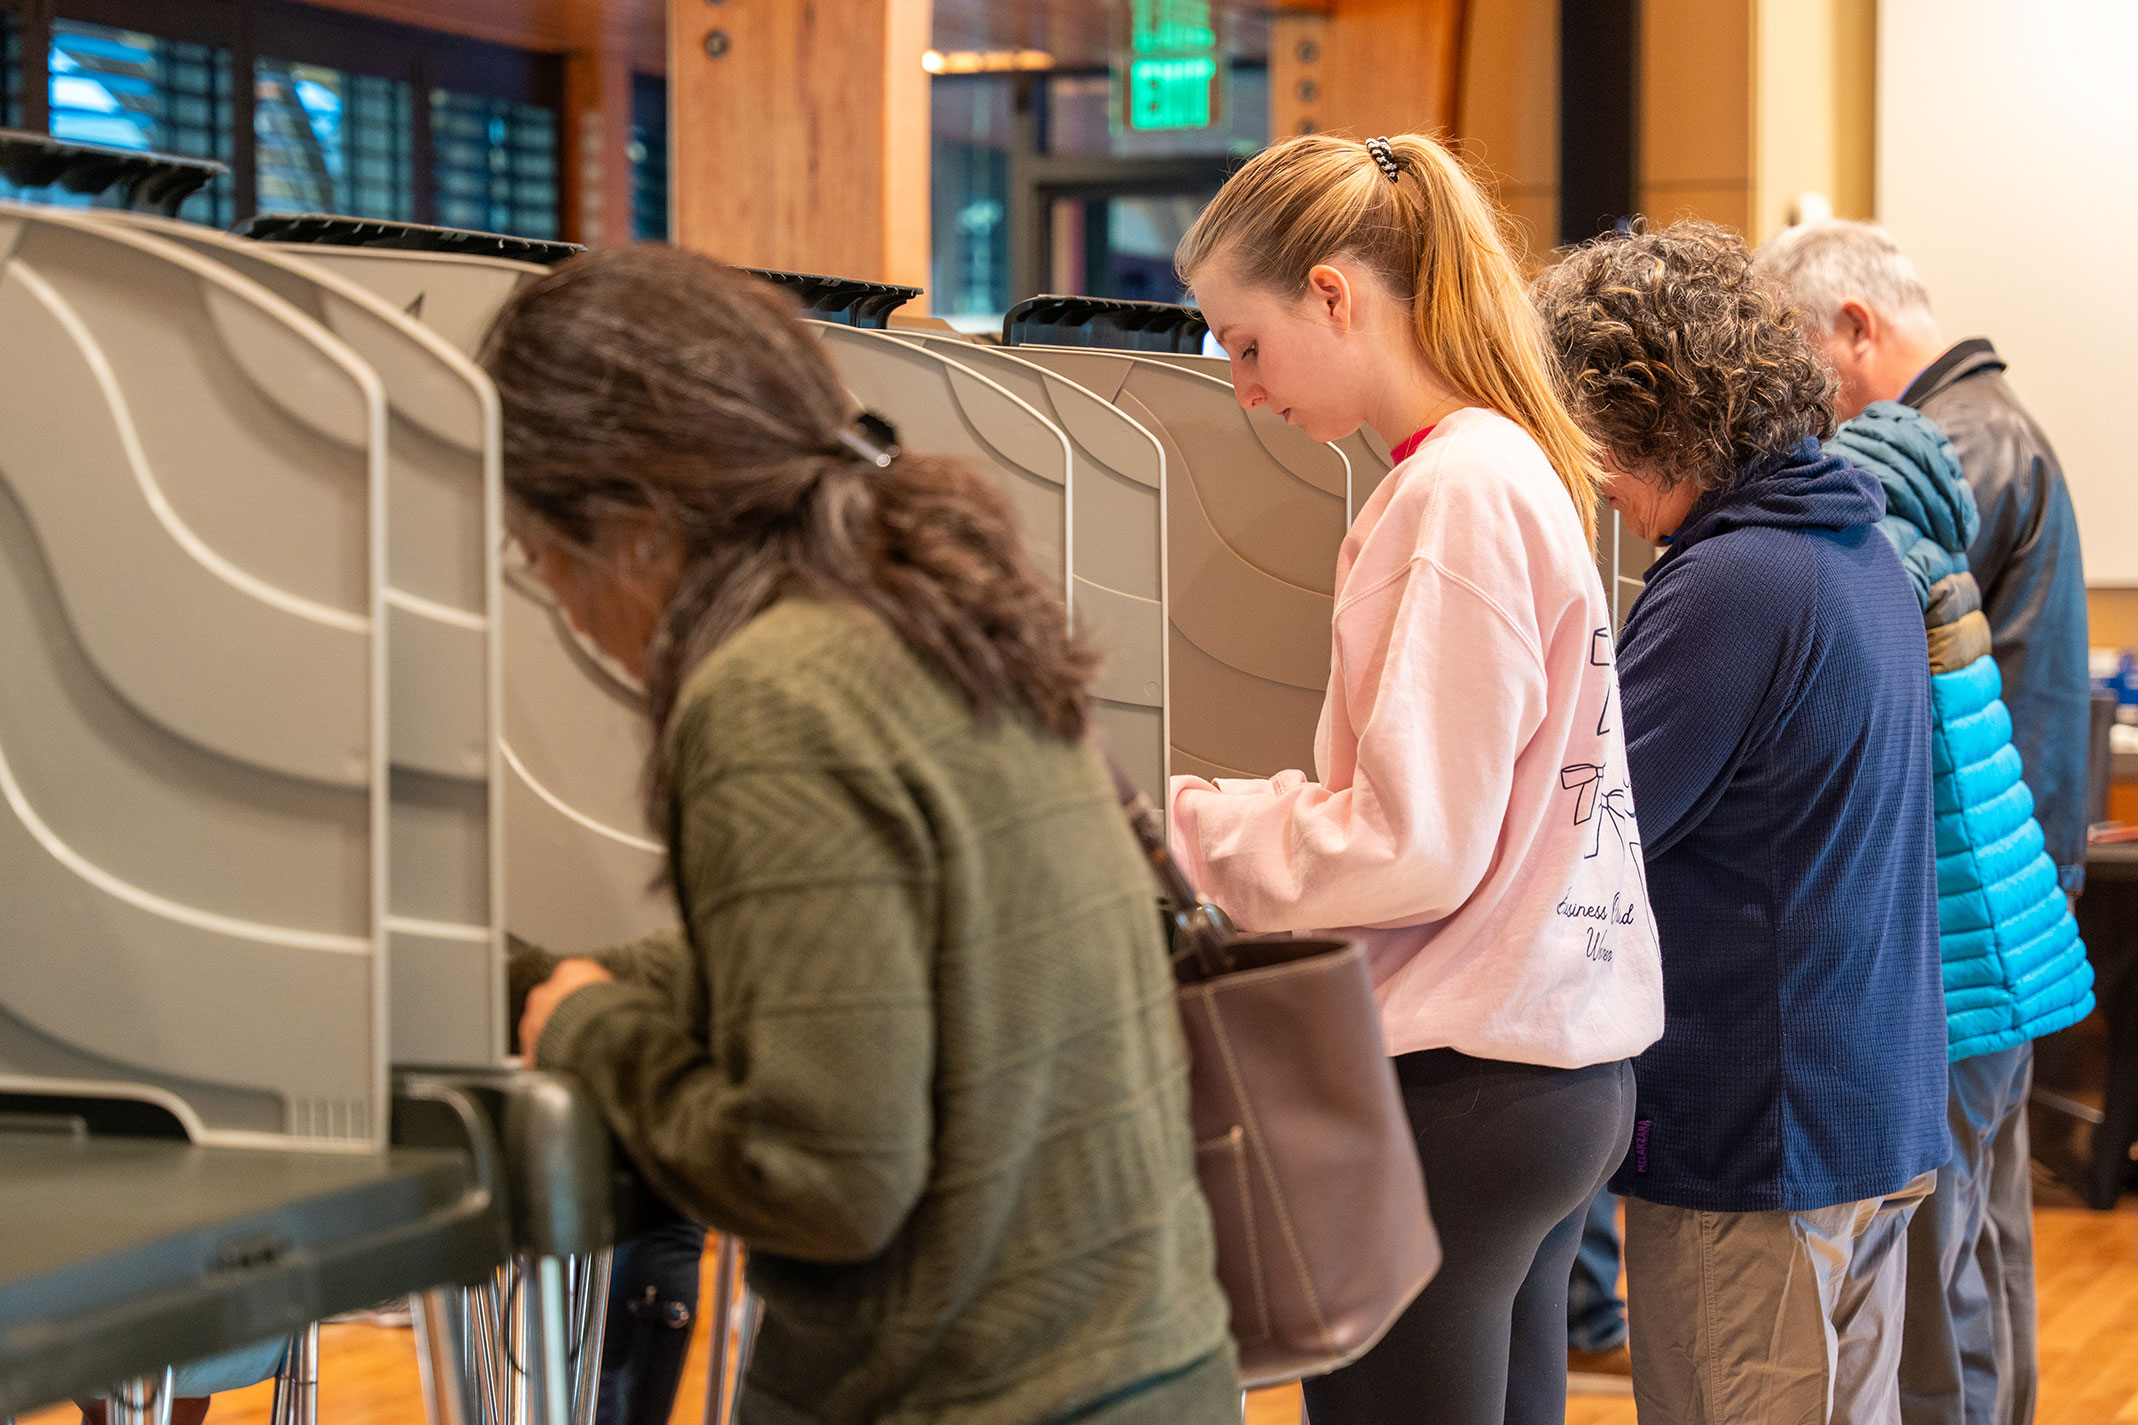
<point x="1967" y="1355"/>
<point x="1769" y="1318"/>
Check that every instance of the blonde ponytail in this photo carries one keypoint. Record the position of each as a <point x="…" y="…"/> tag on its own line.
<point x="1435" y="241"/>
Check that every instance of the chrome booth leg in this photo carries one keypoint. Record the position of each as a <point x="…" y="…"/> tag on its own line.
<point x="450" y="1370"/>
<point x="296" y="1400"/>
<point x="144" y="1401"/>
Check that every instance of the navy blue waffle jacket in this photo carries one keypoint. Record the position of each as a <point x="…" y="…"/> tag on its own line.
<point x="1777" y="706"/>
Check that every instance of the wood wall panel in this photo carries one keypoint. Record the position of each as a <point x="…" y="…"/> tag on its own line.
<point x="1813" y="100"/>
<point x="1484" y="73"/>
<point x="1748" y="104"/>
<point x="597" y="124"/>
<point x="1855" y="61"/>
<point x="1696" y="110"/>
<point x="525" y="24"/>
<point x="805" y="145"/>
<point x="1391" y="66"/>
<point x="1509" y="118"/>
<point x="1296" y="74"/>
<point x="1729" y="204"/>
<point x="549" y="26"/>
<point x="2112" y="617"/>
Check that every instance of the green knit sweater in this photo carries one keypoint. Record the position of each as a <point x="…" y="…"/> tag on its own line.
<point x="918" y="1049"/>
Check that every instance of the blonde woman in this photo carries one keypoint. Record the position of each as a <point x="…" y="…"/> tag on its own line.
<point x="1471" y="820"/>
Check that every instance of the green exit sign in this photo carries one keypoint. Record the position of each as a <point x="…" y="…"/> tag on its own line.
<point x="1172" y="93"/>
<point x="1171" y="26"/>
<point x="1172" y="70"/>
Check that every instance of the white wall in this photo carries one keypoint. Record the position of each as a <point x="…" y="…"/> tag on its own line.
<point x="2008" y="169"/>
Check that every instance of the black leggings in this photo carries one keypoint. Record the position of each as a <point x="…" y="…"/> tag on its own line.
<point x="1512" y="1155"/>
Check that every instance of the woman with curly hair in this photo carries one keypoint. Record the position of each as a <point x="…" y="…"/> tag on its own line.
<point x="1469" y="818"/>
<point x="1777" y="716"/>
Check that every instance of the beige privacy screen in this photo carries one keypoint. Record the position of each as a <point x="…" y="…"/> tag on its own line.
<point x="1114" y="553"/>
<point x="193" y="837"/>
<point x="580" y="866"/>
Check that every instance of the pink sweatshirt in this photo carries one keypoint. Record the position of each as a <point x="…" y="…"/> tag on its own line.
<point x="1473" y="824"/>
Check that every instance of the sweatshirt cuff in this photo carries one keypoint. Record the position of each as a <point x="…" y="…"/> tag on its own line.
<point x="577" y="1018"/>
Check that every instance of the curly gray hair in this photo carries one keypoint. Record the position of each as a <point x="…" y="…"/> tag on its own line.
<point x="1679" y="360"/>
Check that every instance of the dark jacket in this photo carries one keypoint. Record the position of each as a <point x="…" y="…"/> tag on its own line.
<point x="1778" y="726"/>
<point x="2015" y="968"/>
<point x="2025" y="557"/>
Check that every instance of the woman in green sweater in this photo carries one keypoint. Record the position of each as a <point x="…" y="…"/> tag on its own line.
<point x="915" y="1040"/>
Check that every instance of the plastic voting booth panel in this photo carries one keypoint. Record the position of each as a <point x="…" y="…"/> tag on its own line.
<point x="446" y="975"/>
<point x="945" y="408"/>
<point x="192" y="550"/>
<point x="450" y="279"/>
<point x="148" y="181"/>
<point x="1111" y="323"/>
<point x="1116" y="542"/>
<point x="580" y="865"/>
<point x="1255" y="513"/>
<point x="454" y="295"/>
<point x="1366" y="451"/>
<point x="842" y="301"/>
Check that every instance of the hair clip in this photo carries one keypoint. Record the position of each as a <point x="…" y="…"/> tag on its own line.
<point x="1385" y="157"/>
<point x="872" y="438"/>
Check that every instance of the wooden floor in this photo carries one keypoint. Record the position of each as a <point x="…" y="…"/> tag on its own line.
<point x="2087" y="1264"/>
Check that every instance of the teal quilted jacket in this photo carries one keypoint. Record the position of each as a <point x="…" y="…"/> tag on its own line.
<point x="2014" y="966"/>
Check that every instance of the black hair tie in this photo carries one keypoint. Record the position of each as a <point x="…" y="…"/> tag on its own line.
<point x="872" y="438"/>
<point x="1384" y="157"/>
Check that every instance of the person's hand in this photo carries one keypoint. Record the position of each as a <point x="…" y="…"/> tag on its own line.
<point x="543" y="999"/>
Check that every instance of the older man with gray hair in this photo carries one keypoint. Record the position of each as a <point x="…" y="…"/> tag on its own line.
<point x="1968" y="1353"/>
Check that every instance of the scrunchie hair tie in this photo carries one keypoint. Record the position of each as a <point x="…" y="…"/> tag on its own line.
<point x="1384" y="157"/>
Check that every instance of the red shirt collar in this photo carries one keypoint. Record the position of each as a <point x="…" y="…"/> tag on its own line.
<point x="1410" y="445"/>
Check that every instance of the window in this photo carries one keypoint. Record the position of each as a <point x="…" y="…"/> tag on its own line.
<point x="330" y="142"/>
<point x="348" y="114"/>
<point x="649" y="158"/>
<point x="494" y="164"/>
<point x="126" y="89"/>
<point x="974" y="122"/>
<point x="11" y="81"/>
<point x="1142" y="233"/>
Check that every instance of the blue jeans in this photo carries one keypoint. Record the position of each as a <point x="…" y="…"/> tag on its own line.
<point x="653" y="1302"/>
<point x="1595" y="1314"/>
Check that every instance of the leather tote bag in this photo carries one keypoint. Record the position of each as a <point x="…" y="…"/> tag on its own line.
<point x="1301" y="1143"/>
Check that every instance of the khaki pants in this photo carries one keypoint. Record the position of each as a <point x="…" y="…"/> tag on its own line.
<point x="1769" y="1318"/>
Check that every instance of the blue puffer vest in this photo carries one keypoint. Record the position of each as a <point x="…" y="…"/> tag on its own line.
<point x="2014" y="967"/>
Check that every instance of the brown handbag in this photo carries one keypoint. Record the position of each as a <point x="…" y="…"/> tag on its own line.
<point x="1301" y="1143"/>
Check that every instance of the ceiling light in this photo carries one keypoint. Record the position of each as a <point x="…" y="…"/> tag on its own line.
<point x="993" y="61"/>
